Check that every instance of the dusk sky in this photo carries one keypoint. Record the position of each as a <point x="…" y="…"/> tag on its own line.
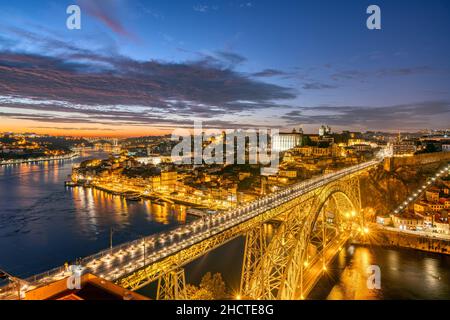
<point x="144" y="67"/>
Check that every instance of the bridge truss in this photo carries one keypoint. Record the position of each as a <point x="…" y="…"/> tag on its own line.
<point x="310" y="230"/>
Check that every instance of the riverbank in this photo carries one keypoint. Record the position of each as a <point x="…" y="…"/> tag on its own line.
<point x="69" y="156"/>
<point x="135" y="195"/>
<point x="395" y="239"/>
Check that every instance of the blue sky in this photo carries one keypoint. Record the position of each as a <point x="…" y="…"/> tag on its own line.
<point x="136" y="66"/>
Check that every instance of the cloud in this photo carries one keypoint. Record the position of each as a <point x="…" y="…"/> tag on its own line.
<point x="381" y="73"/>
<point x="414" y="116"/>
<point x="79" y="86"/>
<point x="200" y="8"/>
<point x="75" y="128"/>
<point x="203" y="8"/>
<point x="220" y="58"/>
<point x="106" y="12"/>
<point x="231" y="57"/>
<point x="266" y="73"/>
<point x="124" y="80"/>
<point x="246" y="5"/>
<point x="317" y="86"/>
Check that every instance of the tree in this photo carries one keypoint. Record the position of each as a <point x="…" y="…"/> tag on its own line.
<point x="191" y="290"/>
<point x="202" y="294"/>
<point x="196" y="293"/>
<point x="214" y="284"/>
<point x="212" y="287"/>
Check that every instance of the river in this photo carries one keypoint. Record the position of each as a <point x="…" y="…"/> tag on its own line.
<point x="44" y="224"/>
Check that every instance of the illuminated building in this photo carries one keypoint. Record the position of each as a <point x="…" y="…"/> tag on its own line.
<point x="286" y="141"/>
<point x="404" y="148"/>
<point x="324" y="130"/>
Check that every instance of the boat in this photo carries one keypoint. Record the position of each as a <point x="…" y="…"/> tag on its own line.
<point x="70" y="184"/>
<point x="159" y="202"/>
<point x="196" y="212"/>
<point x="133" y="196"/>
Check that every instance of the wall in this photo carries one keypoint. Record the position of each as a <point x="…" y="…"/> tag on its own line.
<point x="390" y="164"/>
<point x="387" y="238"/>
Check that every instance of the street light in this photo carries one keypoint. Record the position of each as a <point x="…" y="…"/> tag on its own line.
<point x="111" y="232"/>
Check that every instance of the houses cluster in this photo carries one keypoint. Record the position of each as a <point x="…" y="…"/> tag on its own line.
<point x="430" y="212"/>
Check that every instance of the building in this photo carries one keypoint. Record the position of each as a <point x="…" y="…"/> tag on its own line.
<point x="244" y="175"/>
<point x="309" y="151"/>
<point x="151" y="159"/>
<point x="169" y="180"/>
<point x="432" y="195"/>
<point x="405" y="148"/>
<point x="324" y="131"/>
<point x="384" y="220"/>
<point x="407" y="221"/>
<point x="286" y="141"/>
<point x="288" y="173"/>
<point x="437" y="207"/>
<point x="441" y="224"/>
<point x="91" y="288"/>
<point x="362" y="147"/>
<point x="421" y="207"/>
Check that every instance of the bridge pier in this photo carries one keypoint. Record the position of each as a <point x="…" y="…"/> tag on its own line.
<point x="255" y="245"/>
<point x="172" y="286"/>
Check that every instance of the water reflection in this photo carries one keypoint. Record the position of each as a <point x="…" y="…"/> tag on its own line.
<point x="405" y="274"/>
<point x="43" y="224"/>
<point x="92" y="204"/>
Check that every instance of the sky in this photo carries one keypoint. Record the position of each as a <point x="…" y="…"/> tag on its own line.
<point x="147" y="67"/>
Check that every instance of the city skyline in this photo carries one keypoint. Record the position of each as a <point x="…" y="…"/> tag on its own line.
<point x="146" y="68"/>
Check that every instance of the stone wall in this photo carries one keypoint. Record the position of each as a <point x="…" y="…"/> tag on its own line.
<point x="392" y="239"/>
<point x="390" y="164"/>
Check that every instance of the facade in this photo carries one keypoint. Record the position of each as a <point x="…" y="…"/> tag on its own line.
<point x="407" y="221"/>
<point x="324" y="130"/>
<point x="169" y="180"/>
<point x="404" y="148"/>
<point x="432" y="195"/>
<point x="288" y="173"/>
<point x="315" y="151"/>
<point x="286" y="141"/>
<point x="385" y="221"/>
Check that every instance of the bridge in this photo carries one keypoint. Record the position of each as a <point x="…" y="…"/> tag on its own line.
<point x="314" y="220"/>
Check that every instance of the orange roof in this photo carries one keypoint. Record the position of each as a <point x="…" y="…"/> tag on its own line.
<point x="70" y="297"/>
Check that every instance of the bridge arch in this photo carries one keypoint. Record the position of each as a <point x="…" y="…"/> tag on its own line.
<point x="280" y="272"/>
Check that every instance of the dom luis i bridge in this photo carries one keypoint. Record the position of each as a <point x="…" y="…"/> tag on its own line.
<point x="314" y="219"/>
